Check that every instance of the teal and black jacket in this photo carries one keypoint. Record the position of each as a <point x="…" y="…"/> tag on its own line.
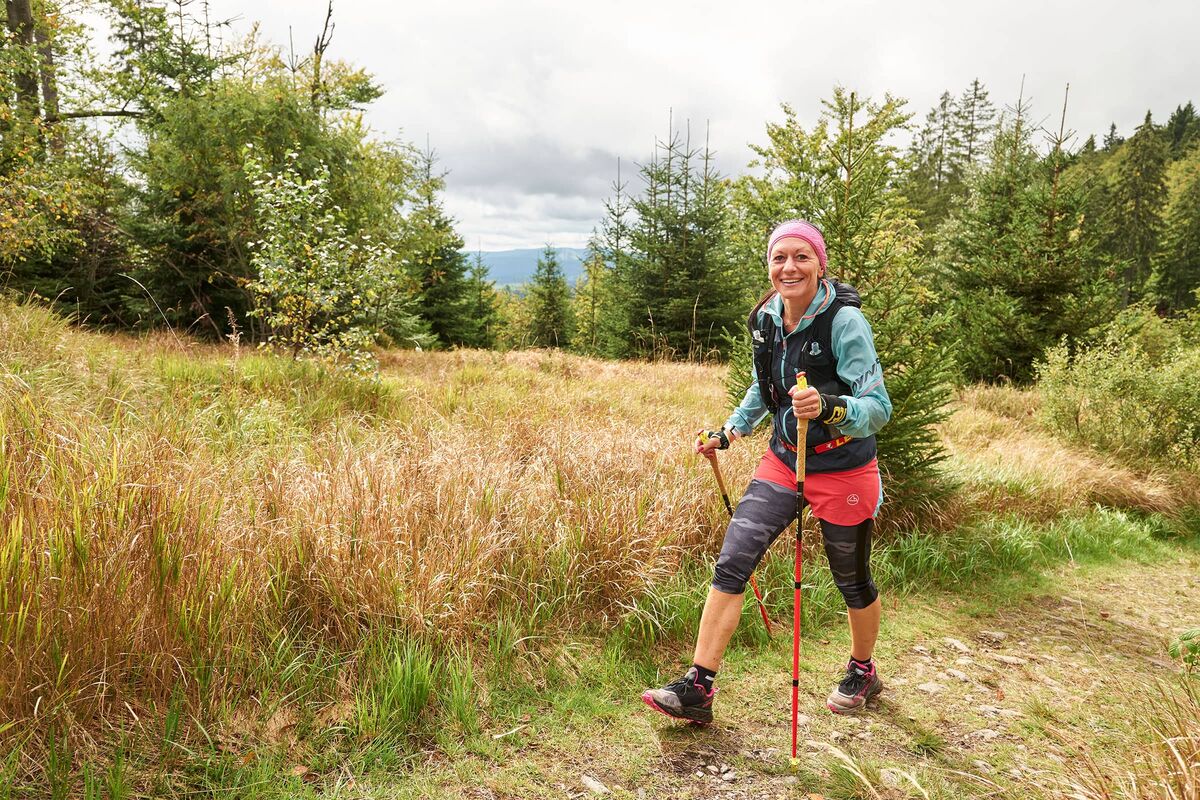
<point x="834" y="346"/>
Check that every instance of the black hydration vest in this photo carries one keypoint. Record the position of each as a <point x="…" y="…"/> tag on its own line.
<point x="810" y="351"/>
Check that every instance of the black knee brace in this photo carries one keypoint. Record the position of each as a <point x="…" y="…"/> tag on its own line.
<point x="848" y="548"/>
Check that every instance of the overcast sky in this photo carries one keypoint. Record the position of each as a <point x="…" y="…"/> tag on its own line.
<point x="529" y="104"/>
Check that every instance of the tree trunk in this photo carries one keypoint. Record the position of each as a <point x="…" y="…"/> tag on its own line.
<point x="20" y="23"/>
<point x="49" y="78"/>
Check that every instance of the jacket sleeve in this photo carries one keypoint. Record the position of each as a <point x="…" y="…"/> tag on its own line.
<point x="869" y="408"/>
<point x="750" y="412"/>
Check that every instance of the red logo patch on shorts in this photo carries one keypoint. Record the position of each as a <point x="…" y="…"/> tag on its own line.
<point x="851" y="499"/>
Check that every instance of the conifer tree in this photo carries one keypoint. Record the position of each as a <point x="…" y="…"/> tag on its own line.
<point x="549" y="303"/>
<point x="975" y="122"/>
<point x="1112" y="139"/>
<point x="588" y="302"/>
<point x="1177" y="271"/>
<point x="606" y="283"/>
<point x="1018" y="274"/>
<point x="1139" y="195"/>
<point x="483" y="307"/>
<point x="435" y="260"/>
<point x="1183" y="128"/>
<point x="671" y="288"/>
<point x="842" y="175"/>
<point x="938" y="159"/>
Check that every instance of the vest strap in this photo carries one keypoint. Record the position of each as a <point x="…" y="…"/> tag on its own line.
<point x="823" y="447"/>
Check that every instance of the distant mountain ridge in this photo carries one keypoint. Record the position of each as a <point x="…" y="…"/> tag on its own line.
<point x="514" y="267"/>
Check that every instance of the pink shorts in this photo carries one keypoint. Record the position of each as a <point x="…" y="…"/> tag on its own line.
<point x="843" y="498"/>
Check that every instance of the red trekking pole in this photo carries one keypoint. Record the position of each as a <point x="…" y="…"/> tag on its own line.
<point x="801" y="448"/>
<point x="712" y="459"/>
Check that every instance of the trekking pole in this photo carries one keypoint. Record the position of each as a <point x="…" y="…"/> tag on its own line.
<point x="712" y="459"/>
<point x="801" y="448"/>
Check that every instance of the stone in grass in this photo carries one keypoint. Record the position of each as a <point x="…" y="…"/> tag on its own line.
<point x="959" y="675"/>
<point x="931" y="688"/>
<point x="729" y="777"/>
<point x="1012" y="661"/>
<point x="956" y="645"/>
<point x="992" y="637"/>
<point x="986" y="734"/>
<point x="713" y="768"/>
<point x="594" y="785"/>
<point x="890" y="777"/>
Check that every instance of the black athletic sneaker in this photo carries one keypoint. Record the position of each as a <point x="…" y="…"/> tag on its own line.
<point x="855" y="690"/>
<point x="682" y="699"/>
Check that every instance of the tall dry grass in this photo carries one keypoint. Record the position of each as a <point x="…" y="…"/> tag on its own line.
<point x="1006" y="460"/>
<point x="171" y="511"/>
<point x="1167" y="767"/>
<point x="207" y="526"/>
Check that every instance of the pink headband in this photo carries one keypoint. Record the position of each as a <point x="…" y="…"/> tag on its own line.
<point x="799" y="229"/>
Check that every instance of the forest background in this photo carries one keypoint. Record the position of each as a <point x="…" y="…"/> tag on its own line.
<point x="230" y="192"/>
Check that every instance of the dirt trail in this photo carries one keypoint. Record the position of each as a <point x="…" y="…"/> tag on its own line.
<point x="979" y="703"/>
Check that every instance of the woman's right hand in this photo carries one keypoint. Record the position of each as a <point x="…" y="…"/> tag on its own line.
<point x="706" y="445"/>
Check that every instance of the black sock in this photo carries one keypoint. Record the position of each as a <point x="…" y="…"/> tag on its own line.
<point x="865" y="666"/>
<point x="704" y="677"/>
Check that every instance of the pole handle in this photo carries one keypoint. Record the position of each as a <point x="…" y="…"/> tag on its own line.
<point x="801" y="432"/>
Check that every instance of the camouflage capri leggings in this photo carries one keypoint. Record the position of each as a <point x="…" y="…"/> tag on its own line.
<point x="762" y="514"/>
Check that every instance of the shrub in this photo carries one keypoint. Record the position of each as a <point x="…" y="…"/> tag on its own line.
<point x="1132" y="394"/>
<point x="320" y="291"/>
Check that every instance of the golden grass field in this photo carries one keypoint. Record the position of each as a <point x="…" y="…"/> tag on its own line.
<point x="180" y="522"/>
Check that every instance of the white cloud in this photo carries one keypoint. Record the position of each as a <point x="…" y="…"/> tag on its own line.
<point x="530" y="103"/>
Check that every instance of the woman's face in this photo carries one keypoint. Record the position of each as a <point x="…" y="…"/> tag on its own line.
<point x="794" y="269"/>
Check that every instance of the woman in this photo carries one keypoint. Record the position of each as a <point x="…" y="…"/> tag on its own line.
<point x="812" y="324"/>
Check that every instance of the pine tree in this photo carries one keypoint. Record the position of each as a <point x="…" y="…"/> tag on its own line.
<point x="843" y="176"/>
<point x="975" y="121"/>
<point x="1177" y="270"/>
<point x="1018" y="274"/>
<point x="1140" y="193"/>
<point x="435" y="260"/>
<point x="1112" y="139"/>
<point x="608" y="288"/>
<point x="1183" y="126"/>
<point x="938" y="159"/>
<point x="483" y="308"/>
<point x="550" y="323"/>
<point x="670" y="287"/>
<point x="588" y="302"/>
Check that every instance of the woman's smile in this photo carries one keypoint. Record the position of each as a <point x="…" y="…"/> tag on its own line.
<point x="794" y="269"/>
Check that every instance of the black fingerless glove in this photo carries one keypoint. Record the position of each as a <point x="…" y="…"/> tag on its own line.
<point x="721" y="437"/>
<point x="833" y="409"/>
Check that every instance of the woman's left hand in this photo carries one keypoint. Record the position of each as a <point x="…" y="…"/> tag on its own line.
<point x="806" y="404"/>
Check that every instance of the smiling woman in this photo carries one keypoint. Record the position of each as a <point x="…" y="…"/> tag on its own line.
<point x="807" y="323"/>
